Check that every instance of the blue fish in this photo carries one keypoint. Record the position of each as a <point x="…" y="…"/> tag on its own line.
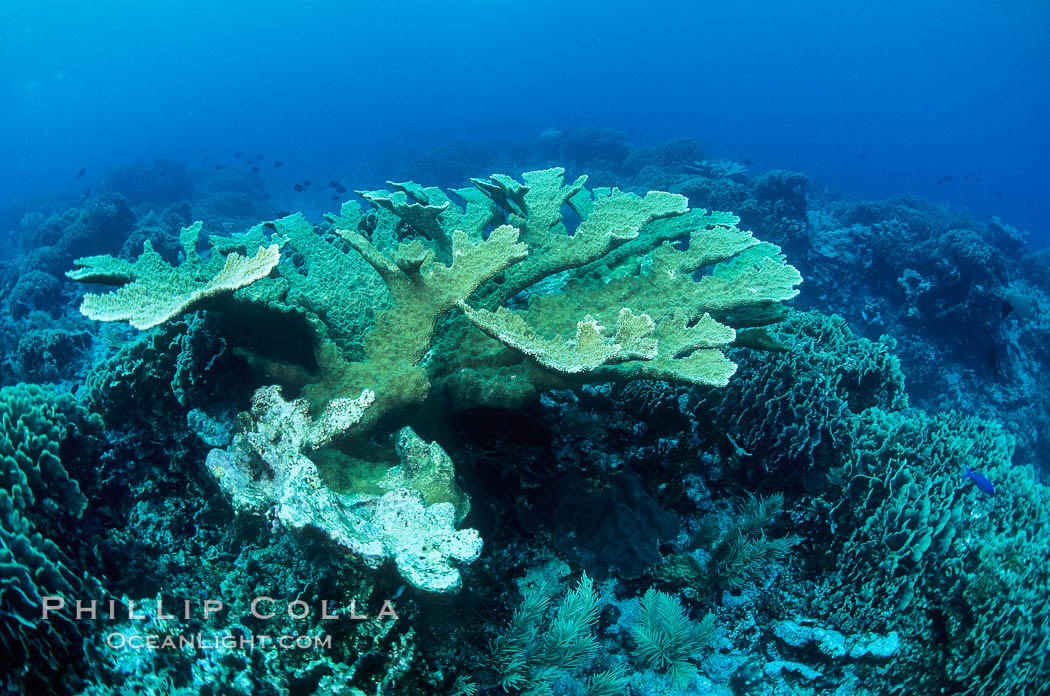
<point x="983" y="483"/>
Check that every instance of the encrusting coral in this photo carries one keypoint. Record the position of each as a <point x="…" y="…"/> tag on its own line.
<point x="484" y="304"/>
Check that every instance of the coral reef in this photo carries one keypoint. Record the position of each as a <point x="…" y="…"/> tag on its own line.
<point x="624" y="539"/>
<point x="151" y="291"/>
<point x="675" y="154"/>
<point x="432" y="258"/>
<point x="160" y="182"/>
<point x="667" y="639"/>
<point x="783" y="413"/>
<point x="924" y="549"/>
<point x="737" y="554"/>
<point x="98" y="225"/>
<point x="535" y="651"/>
<point x="33" y="290"/>
<point x="40" y="509"/>
<point x="412" y="523"/>
<point x="586" y="146"/>
<point x="47" y="355"/>
<point x="698" y="489"/>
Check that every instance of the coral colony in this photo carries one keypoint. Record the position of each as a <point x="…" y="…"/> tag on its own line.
<point x="541" y="434"/>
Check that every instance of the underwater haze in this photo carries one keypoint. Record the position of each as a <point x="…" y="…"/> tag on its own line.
<point x="524" y="349"/>
<point x="870" y="98"/>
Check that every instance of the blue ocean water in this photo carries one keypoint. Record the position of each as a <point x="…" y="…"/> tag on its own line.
<point x="706" y="356"/>
<point x="871" y="99"/>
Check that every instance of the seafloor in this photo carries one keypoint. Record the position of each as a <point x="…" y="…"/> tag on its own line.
<point x="583" y="438"/>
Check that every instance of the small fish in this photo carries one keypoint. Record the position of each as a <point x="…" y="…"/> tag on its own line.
<point x="335" y="197"/>
<point x="748" y="161"/>
<point x="81" y="173"/>
<point x="238" y="155"/>
<point x="258" y="157"/>
<point x="87" y="192"/>
<point x="980" y="481"/>
<point x="947" y="178"/>
<point x="998" y="194"/>
<point x="977" y="178"/>
<point x="863" y="155"/>
<point x="255" y="169"/>
<point x="278" y="164"/>
<point x="299" y="187"/>
<point x="966" y="177"/>
<point x="219" y="166"/>
<point x="340" y="189"/>
<point x="307" y="183"/>
<point x="333" y="183"/>
<point x="940" y="179"/>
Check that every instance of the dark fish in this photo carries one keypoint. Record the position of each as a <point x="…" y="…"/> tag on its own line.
<point x="335" y="197"/>
<point x="340" y="189"/>
<point x="299" y="187"/>
<point x="966" y="177"/>
<point x="283" y="214"/>
<point x="939" y="180"/>
<point x="238" y="154"/>
<point x="977" y="178"/>
<point x="255" y="169"/>
<point x="980" y="481"/>
<point x="947" y="177"/>
<point x="333" y="183"/>
<point x="87" y="192"/>
<point x="278" y="164"/>
<point x="307" y="183"/>
<point x="81" y="173"/>
<point x="748" y="161"/>
<point x="863" y="155"/>
<point x="219" y="166"/>
<point x="258" y="157"/>
<point x="998" y="194"/>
